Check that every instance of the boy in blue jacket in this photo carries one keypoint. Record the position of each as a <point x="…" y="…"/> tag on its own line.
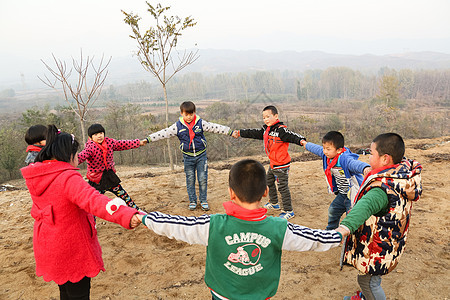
<point x="189" y="130"/>
<point x="343" y="172"/>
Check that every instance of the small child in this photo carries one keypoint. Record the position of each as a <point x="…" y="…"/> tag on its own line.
<point x="243" y="246"/>
<point x="276" y="139"/>
<point x="189" y="130"/>
<point x="35" y="138"/>
<point x="343" y="173"/>
<point x="65" y="243"/>
<point x="379" y="221"/>
<point x="99" y="154"/>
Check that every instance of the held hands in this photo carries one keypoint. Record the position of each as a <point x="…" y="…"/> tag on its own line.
<point x="344" y="231"/>
<point x="143" y="142"/>
<point x="236" y="134"/>
<point x="303" y="143"/>
<point x="135" y="221"/>
<point x="367" y="171"/>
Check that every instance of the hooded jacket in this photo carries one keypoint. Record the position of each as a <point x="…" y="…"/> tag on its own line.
<point x="65" y="241"/>
<point x="376" y="246"/>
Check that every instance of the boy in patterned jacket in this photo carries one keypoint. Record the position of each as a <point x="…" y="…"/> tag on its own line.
<point x="244" y="246"/>
<point x="276" y="139"/>
<point x="189" y="130"/>
<point x="379" y="221"/>
<point x="343" y="172"/>
<point x="99" y="154"/>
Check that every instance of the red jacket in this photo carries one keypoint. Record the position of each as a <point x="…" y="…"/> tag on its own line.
<point x="277" y="143"/>
<point x="65" y="241"/>
<point x="93" y="154"/>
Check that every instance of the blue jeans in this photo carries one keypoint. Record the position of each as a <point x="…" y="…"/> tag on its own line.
<point x="337" y="208"/>
<point x="191" y="164"/>
<point x="371" y="287"/>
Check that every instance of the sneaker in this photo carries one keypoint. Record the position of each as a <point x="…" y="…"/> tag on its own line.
<point x="358" y="296"/>
<point x="269" y="205"/>
<point x="287" y="215"/>
<point x="192" y="205"/>
<point x="205" y="205"/>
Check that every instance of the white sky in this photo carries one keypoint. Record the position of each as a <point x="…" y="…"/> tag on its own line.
<point x="37" y="28"/>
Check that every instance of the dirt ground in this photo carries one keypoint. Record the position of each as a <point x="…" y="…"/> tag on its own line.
<point x="142" y="265"/>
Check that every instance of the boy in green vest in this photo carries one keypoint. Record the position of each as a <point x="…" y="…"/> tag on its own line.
<point x="243" y="254"/>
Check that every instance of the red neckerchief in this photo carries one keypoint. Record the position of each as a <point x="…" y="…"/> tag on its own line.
<point x="378" y="171"/>
<point x="266" y="137"/>
<point x="190" y="126"/>
<point x="34" y="148"/>
<point x="330" y="165"/>
<point x="104" y="147"/>
<point x="232" y="209"/>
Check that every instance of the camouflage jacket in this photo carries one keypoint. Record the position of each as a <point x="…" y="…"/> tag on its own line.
<point x="376" y="246"/>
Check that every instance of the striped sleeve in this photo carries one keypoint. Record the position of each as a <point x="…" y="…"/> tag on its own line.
<point x="300" y="238"/>
<point x="192" y="230"/>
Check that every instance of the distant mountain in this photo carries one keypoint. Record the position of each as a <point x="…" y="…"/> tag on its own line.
<point x="22" y="73"/>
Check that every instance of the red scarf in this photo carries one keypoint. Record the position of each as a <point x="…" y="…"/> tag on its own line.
<point x="266" y="137"/>
<point x="34" y="148"/>
<point x="190" y="126"/>
<point x="104" y="147"/>
<point x="378" y="171"/>
<point x="232" y="209"/>
<point x="330" y="165"/>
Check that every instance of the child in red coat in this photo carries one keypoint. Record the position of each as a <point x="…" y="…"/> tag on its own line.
<point x="99" y="154"/>
<point x="65" y="244"/>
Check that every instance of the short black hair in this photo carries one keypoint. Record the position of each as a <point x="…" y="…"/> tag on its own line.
<point x="59" y="145"/>
<point x="187" y="107"/>
<point x="35" y="134"/>
<point x="334" y="137"/>
<point x="272" y="108"/>
<point x="95" y="128"/>
<point x="248" y="180"/>
<point x="392" y="144"/>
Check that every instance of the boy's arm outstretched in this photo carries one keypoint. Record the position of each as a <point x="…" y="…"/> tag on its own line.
<point x="290" y="137"/>
<point x="300" y="238"/>
<point x="216" y="128"/>
<point x="192" y="230"/>
<point x="257" y="134"/>
<point x="163" y="133"/>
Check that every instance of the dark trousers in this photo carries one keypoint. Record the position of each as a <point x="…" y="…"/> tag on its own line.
<point x="75" y="291"/>
<point x="281" y="176"/>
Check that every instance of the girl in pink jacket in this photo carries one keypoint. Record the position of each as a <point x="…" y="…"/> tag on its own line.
<point x="99" y="154"/>
<point x="65" y="244"/>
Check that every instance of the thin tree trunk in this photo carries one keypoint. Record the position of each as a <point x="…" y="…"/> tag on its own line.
<point x="169" y="152"/>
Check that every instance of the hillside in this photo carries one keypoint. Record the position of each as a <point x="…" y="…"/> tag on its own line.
<point x="141" y="265"/>
<point x="21" y="72"/>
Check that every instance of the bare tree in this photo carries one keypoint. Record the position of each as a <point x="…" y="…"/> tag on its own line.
<point x="80" y="94"/>
<point x="156" y="46"/>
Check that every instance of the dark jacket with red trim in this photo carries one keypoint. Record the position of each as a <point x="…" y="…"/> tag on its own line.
<point x="277" y="144"/>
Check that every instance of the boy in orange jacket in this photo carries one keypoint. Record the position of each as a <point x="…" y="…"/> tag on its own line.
<point x="276" y="139"/>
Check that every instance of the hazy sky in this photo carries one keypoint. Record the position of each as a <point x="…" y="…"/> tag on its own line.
<point x="35" y="29"/>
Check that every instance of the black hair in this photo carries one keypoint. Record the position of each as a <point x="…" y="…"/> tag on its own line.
<point x="95" y="128"/>
<point x="392" y="144"/>
<point x="187" y="107"/>
<point x="61" y="146"/>
<point x="334" y="137"/>
<point x="35" y="134"/>
<point x="248" y="180"/>
<point x="272" y="108"/>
